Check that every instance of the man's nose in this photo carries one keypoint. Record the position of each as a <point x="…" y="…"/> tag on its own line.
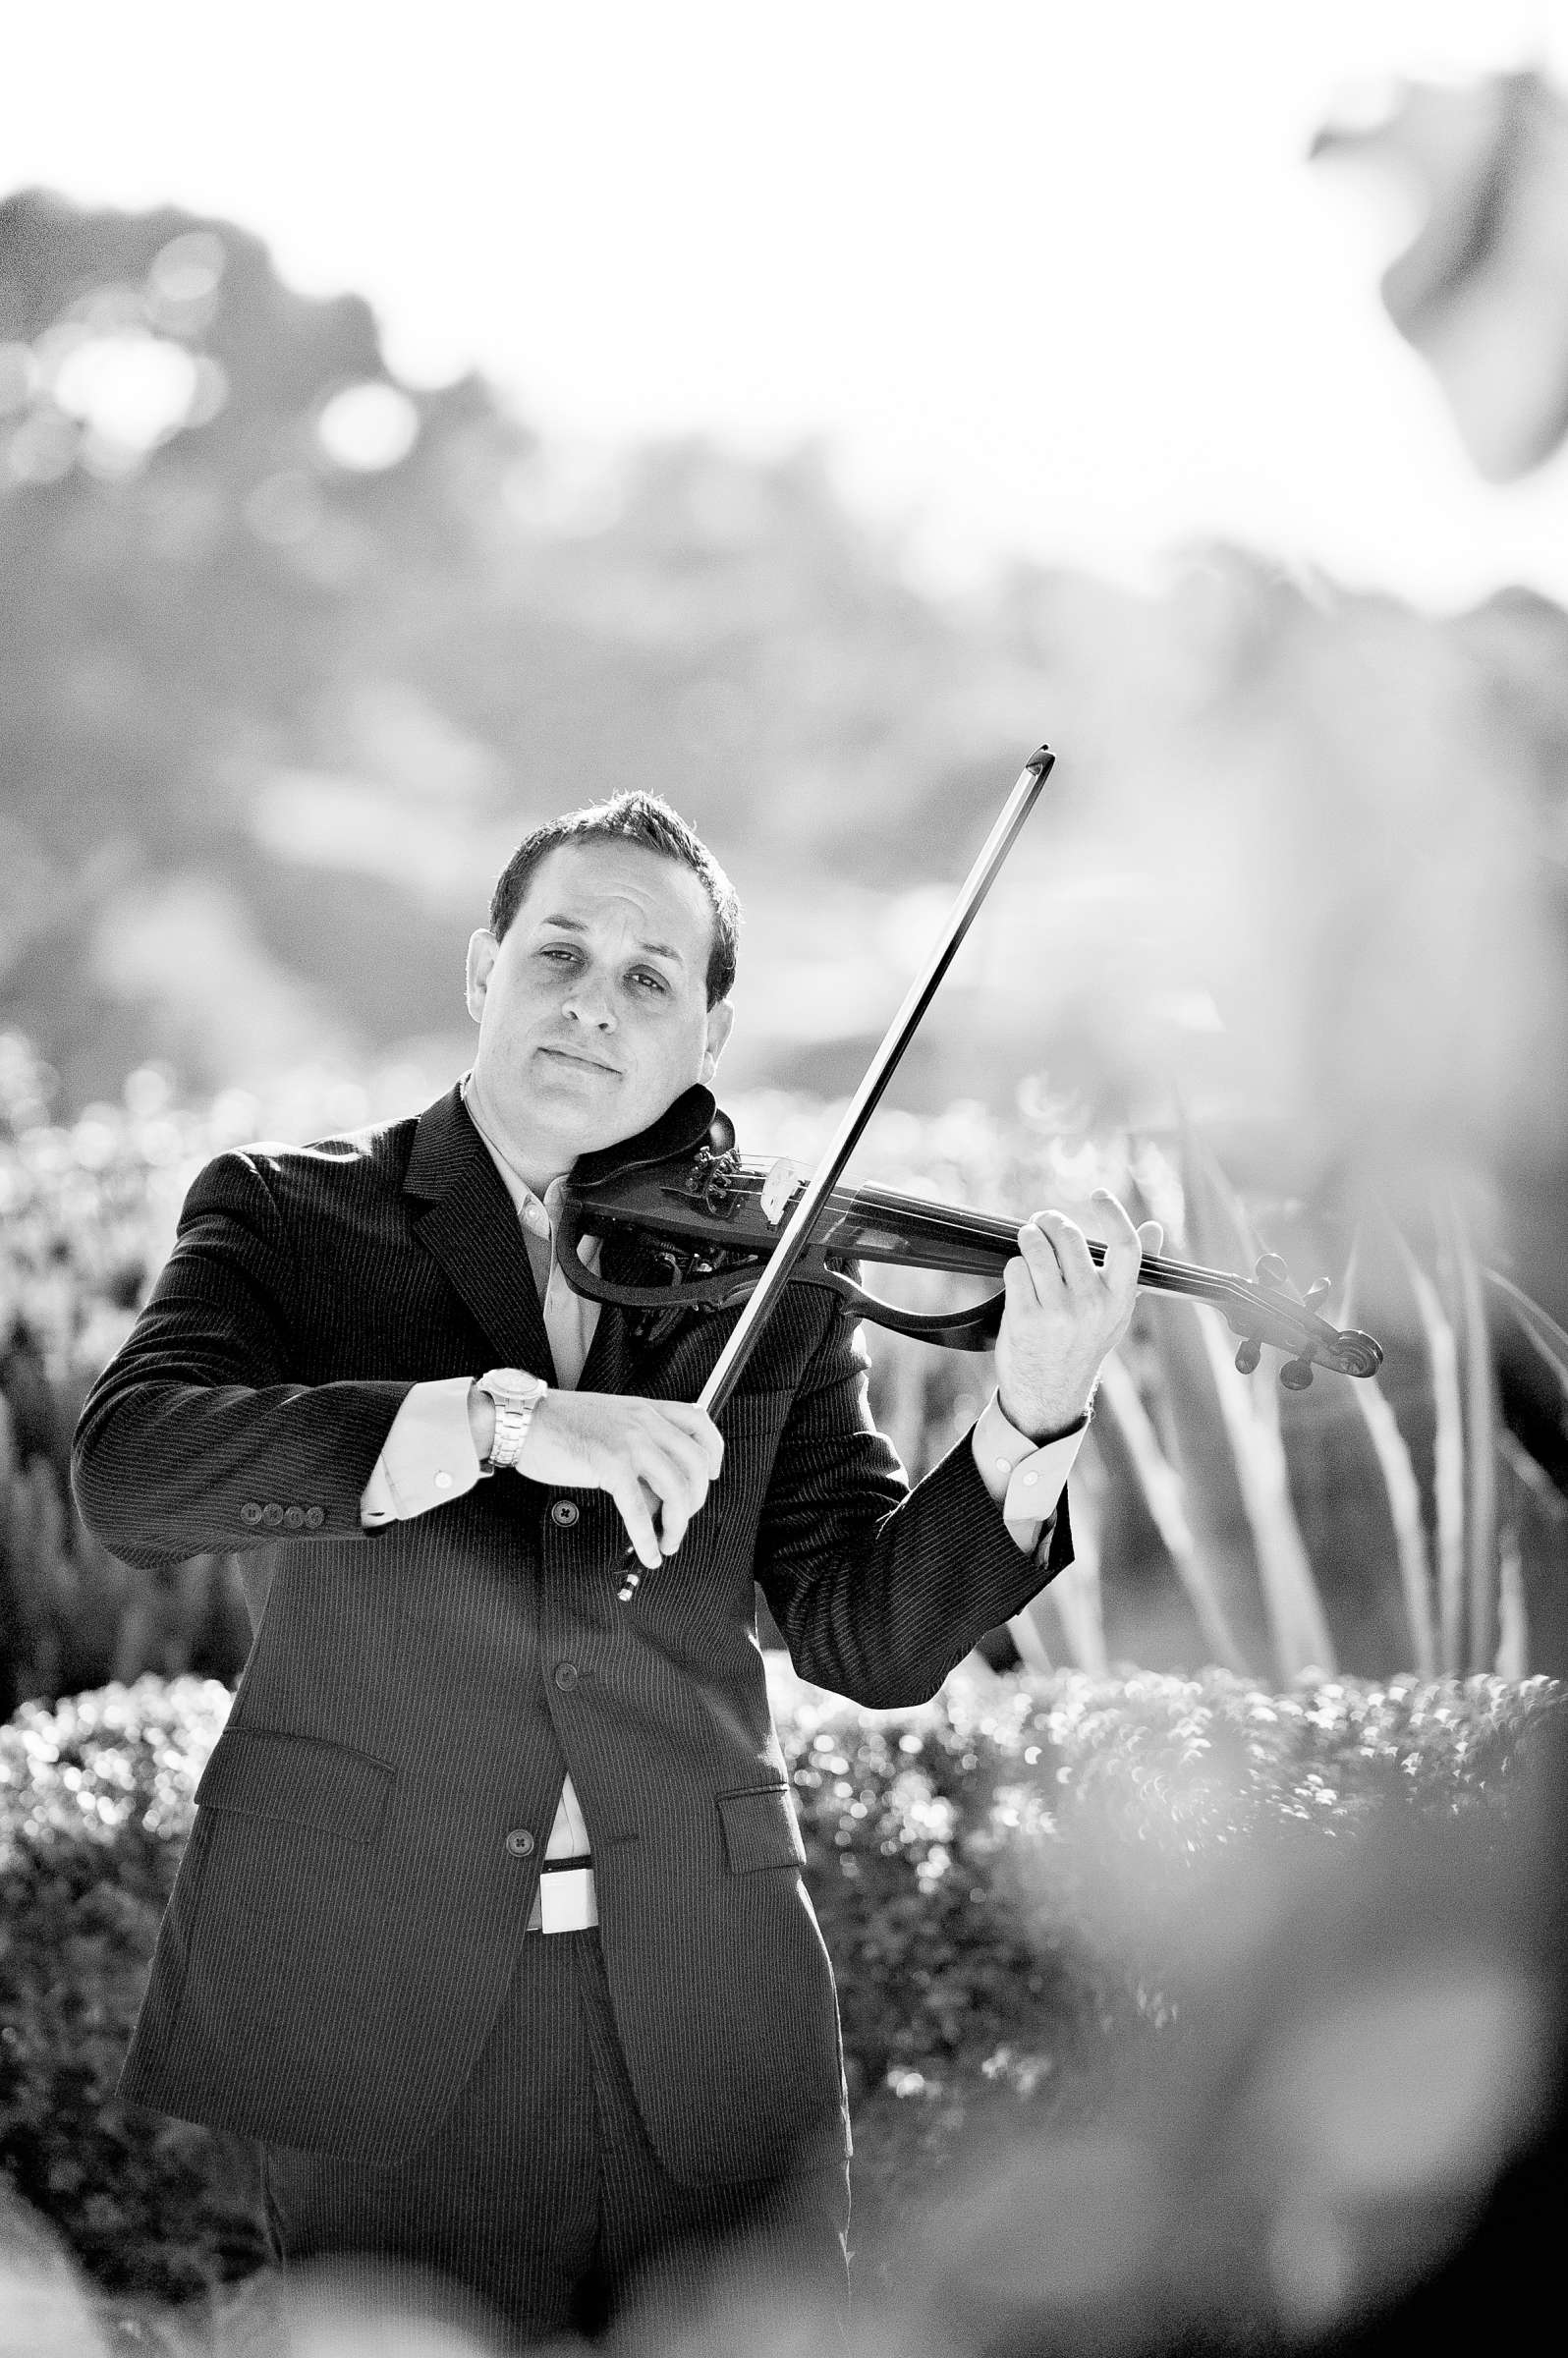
<point x="589" y="1002"/>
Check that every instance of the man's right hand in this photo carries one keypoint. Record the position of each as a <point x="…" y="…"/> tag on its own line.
<point x="655" y="1457"/>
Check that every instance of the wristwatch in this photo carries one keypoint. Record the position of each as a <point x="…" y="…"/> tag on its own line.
<point x="516" y="1397"/>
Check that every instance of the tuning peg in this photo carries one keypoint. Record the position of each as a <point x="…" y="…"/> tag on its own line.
<point x="1296" y="1374"/>
<point x="1271" y="1270"/>
<point x="1319" y="1291"/>
<point x="1248" y="1355"/>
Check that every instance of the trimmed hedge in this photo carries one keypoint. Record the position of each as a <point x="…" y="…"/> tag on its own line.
<point x="1002" y="1878"/>
<point x="1008" y="1879"/>
<point x="95" y="1804"/>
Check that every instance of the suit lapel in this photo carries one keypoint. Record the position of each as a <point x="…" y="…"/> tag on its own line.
<point x="467" y="1220"/>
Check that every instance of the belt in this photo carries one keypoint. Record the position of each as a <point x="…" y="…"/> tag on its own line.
<point x="565" y="1902"/>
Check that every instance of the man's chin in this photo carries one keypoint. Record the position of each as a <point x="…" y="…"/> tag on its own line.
<point x="584" y="1106"/>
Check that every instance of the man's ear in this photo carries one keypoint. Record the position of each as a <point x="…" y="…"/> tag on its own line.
<point x="719" y="1021"/>
<point x="484" y="950"/>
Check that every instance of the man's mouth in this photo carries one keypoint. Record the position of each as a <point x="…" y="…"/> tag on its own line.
<point x="592" y="1064"/>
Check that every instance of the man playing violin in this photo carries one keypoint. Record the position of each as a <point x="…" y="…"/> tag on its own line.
<point x="491" y="1929"/>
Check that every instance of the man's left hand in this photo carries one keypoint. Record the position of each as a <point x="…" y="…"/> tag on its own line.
<point x="1063" y="1315"/>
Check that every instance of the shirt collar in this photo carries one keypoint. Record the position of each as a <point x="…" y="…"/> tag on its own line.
<point x="532" y="1209"/>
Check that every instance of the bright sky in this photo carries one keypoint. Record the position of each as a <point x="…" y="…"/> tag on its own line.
<point x="1053" y="277"/>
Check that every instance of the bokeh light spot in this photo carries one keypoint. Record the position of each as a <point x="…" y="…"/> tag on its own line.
<point x="149" y="1091"/>
<point x="133" y="389"/>
<point x="368" y="428"/>
<point x="188" y="269"/>
<point x="421" y="354"/>
<point x="106" y="310"/>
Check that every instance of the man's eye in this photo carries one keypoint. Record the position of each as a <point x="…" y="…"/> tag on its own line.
<point x="653" y="982"/>
<point x="557" y="950"/>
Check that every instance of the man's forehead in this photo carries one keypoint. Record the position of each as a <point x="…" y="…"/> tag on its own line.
<point x="599" y="878"/>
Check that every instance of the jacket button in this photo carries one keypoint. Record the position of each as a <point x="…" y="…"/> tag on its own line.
<point x="566" y="1674"/>
<point x="563" y="1512"/>
<point x="315" y="1517"/>
<point x="294" y="1518"/>
<point x="520" y="1842"/>
<point x="251" y="1512"/>
<point x="272" y="1514"/>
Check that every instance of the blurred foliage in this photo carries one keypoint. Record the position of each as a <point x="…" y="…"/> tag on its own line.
<point x="96" y="1807"/>
<point x="290" y="654"/>
<point x="1005" y="1879"/>
<point x="1022" y="1865"/>
<point x="1418" y="1523"/>
<point x="85" y="1221"/>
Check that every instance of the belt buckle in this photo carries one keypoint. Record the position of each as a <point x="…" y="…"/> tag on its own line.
<point x="567" y="1900"/>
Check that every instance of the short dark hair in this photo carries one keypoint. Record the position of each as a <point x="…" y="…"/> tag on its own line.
<point x="645" y="818"/>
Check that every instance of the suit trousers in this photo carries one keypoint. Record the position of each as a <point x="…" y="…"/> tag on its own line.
<point x="539" y="2204"/>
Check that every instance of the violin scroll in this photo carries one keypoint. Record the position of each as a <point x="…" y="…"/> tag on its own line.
<point x="1271" y="1310"/>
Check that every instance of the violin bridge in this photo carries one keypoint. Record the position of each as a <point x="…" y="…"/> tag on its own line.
<point x="782" y="1182"/>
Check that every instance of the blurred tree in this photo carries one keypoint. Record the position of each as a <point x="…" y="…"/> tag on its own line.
<point x="319" y="648"/>
<point x="199" y="498"/>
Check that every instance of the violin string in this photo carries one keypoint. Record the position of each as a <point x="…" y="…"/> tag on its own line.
<point x="914" y="1218"/>
<point x="911" y="1212"/>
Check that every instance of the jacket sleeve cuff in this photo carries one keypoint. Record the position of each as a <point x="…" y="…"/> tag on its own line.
<point x="1025" y="1478"/>
<point x="428" y="1455"/>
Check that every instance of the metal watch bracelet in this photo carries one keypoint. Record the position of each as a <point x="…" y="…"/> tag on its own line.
<point x="515" y="1397"/>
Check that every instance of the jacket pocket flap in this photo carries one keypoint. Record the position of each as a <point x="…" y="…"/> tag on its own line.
<point x="296" y="1780"/>
<point x="759" y="1829"/>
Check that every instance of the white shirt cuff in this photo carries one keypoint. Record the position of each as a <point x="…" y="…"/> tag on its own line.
<point x="1025" y="1478"/>
<point x="428" y="1455"/>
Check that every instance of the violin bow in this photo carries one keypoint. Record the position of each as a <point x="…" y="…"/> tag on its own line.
<point x="744" y="1334"/>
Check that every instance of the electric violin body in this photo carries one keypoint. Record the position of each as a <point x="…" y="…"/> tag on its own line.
<point x="711" y="1220"/>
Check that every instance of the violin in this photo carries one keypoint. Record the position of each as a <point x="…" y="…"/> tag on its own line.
<point x="710" y="1219"/>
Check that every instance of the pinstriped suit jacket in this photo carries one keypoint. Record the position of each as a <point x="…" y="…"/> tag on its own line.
<point x="349" y="1910"/>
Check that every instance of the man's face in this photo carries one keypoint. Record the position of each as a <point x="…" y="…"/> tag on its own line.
<point x="592" y="1011"/>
